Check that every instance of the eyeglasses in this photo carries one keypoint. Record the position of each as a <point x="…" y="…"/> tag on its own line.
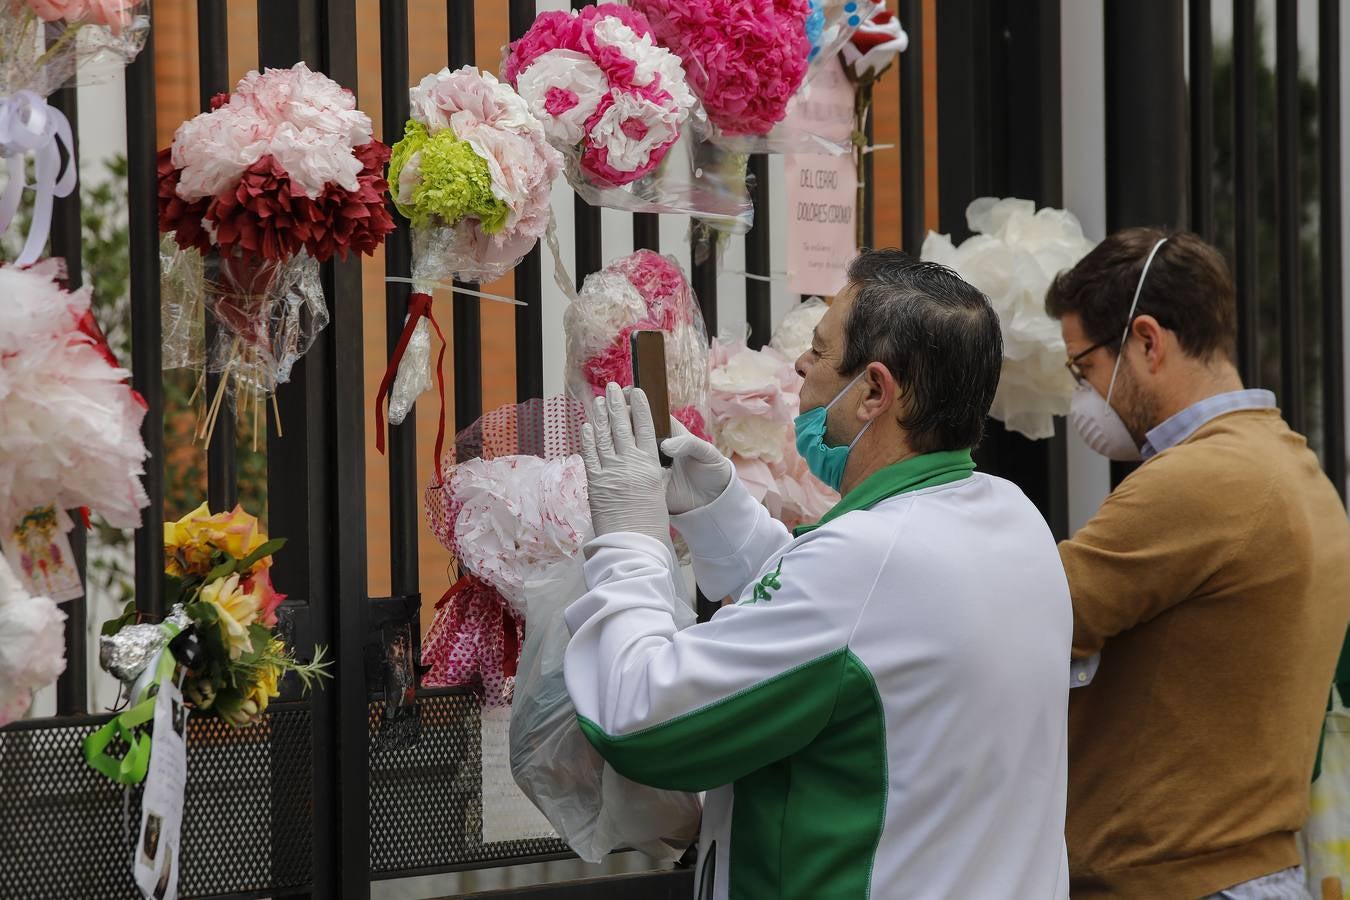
<point x="1075" y="369"/>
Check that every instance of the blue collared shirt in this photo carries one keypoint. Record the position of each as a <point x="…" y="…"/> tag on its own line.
<point x="1194" y="417"/>
<point x="1164" y="437"/>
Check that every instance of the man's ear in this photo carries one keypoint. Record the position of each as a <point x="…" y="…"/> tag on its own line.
<point x="882" y="392"/>
<point x="1153" y="340"/>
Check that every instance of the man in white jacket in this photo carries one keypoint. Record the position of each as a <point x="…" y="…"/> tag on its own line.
<point x="881" y="713"/>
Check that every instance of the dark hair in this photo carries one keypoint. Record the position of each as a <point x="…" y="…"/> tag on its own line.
<point x="938" y="336"/>
<point x="1188" y="290"/>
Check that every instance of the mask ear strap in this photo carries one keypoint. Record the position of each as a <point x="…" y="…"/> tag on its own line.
<point x="1129" y="319"/>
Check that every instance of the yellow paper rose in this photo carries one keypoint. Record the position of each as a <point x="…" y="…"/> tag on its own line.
<point x="184" y="552"/>
<point x="236" y="611"/>
<point x="189" y="542"/>
<point x="264" y="688"/>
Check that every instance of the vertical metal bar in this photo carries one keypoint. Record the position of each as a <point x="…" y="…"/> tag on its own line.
<point x="912" y="157"/>
<point x="646" y="231"/>
<point x="758" y="253"/>
<point x="529" y="318"/>
<point x="213" y="75"/>
<point x="703" y="251"/>
<point x="1329" y="147"/>
<point x="66" y="238"/>
<point x="1202" y="118"/>
<point x="146" y="377"/>
<point x="589" y="254"/>
<point x="1146" y="165"/>
<point x="468" y="320"/>
<point x="312" y="470"/>
<point x="868" y="213"/>
<point x="402" y="448"/>
<point x="343" y="601"/>
<point x="1244" y="137"/>
<point x="1287" y="217"/>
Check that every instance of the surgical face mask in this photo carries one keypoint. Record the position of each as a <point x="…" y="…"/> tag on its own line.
<point x="825" y="462"/>
<point x="1100" y="426"/>
<point x="1097" y="422"/>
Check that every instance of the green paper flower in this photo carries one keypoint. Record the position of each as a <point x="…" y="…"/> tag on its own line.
<point x="455" y="182"/>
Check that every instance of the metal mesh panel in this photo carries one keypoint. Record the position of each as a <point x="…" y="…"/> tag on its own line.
<point x="426" y="803"/>
<point x="247" y="818"/>
<point x="247" y="821"/>
<point x="63" y="834"/>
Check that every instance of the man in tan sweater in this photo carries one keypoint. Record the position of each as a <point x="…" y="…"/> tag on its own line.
<point x="1211" y="591"/>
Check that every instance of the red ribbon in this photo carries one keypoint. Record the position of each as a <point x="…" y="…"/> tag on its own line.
<point x="419" y="305"/>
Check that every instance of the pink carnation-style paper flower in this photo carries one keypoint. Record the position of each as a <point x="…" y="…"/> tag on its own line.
<point x="305" y="120"/>
<point x="516" y="517"/>
<point x="643" y="291"/>
<point x="285" y="163"/>
<point x="745" y="59"/>
<point x="603" y="89"/>
<point x="754" y="396"/>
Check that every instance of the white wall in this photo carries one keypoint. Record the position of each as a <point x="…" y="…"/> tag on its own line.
<point x="1083" y="93"/>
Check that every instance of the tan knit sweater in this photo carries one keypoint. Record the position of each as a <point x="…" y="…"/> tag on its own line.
<point x="1215" y="582"/>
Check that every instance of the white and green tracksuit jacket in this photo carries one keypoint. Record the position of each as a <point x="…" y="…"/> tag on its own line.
<point x="880" y="714"/>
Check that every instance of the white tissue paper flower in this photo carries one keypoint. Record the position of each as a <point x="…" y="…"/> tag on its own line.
<point x="32" y="645"/>
<point x="518" y="517"/>
<point x="1014" y="255"/>
<point x="563" y="88"/>
<point x="69" y="421"/>
<point x="792" y="337"/>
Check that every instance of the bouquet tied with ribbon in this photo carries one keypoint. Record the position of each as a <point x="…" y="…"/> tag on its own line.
<point x="219" y="639"/>
<point x="473" y="174"/>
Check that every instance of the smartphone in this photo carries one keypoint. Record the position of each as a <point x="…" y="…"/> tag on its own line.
<point x="649" y="374"/>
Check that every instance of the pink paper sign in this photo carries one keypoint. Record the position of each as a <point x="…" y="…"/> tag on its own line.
<point x="822" y="190"/>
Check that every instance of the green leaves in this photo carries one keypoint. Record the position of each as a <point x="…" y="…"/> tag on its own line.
<point x="128" y="617"/>
<point x="265" y="550"/>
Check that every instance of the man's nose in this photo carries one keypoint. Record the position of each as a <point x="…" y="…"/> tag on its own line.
<point x="800" y="365"/>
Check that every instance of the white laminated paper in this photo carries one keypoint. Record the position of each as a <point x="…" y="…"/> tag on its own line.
<point x="157" y="849"/>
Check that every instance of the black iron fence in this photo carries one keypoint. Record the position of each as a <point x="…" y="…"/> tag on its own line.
<point x="340" y="805"/>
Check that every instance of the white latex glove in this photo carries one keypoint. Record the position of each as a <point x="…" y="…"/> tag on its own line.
<point x="623" y="471"/>
<point x="699" y="472"/>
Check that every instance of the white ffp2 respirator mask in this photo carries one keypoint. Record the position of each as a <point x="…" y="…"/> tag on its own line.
<point x="1092" y="415"/>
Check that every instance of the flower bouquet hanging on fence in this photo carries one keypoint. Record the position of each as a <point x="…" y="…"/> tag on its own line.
<point x="277" y="178"/>
<point x="616" y="103"/>
<point x="473" y="174"/>
<point x="220" y="634"/>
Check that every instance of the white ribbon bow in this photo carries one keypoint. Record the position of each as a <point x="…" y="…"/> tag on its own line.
<point x="28" y="124"/>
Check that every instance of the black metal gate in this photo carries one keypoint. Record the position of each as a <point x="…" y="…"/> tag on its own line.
<point x="341" y="806"/>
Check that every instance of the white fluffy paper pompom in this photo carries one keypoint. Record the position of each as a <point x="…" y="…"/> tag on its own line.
<point x="517" y="517"/>
<point x="32" y="645"/>
<point x="1015" y="253"/>
<point x="71" y="423"/>
<point x="792" y="337"/>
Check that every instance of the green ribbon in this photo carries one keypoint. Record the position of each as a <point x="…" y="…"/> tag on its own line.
<point x="131" y="768"/>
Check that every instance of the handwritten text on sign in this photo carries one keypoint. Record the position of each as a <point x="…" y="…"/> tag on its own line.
<point x="822" y="191"/>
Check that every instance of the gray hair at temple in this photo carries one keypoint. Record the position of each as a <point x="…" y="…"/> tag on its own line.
<point x="937" y="334"/>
